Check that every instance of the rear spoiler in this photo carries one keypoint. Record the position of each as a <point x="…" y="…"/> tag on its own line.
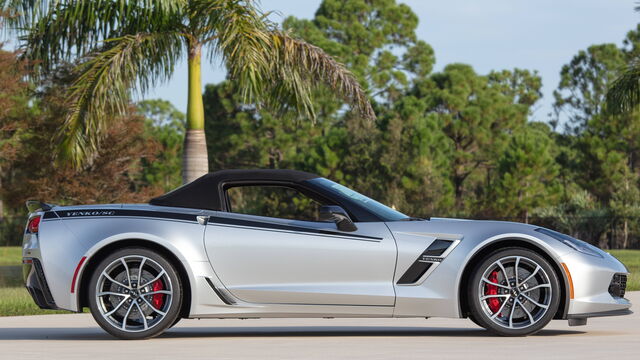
<point x="37" y="205"/>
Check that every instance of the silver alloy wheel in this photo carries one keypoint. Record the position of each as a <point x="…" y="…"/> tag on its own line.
<point x="134" y="293"/>
<point x="515" y="292"/>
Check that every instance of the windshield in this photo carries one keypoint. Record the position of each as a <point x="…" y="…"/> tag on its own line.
<point x="382" y="211"/>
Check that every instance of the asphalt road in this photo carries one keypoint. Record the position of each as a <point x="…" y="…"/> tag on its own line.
<point x="76" y="336"/>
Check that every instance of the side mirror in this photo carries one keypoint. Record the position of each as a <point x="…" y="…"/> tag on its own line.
<point x="339" y="216"/>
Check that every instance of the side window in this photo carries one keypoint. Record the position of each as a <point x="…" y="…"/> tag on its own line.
<point x="273" y="201"/>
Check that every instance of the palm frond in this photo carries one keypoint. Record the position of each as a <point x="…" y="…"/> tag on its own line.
<point x="241" y="41"/>
<point x="58" y="31"/>
<point x="624" y="93"/>
<point x="270" y="65"/>
<point x="297" y="67"/>
<point x="103" y="84"/>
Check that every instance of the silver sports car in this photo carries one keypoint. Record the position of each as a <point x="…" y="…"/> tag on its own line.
<point x="282" y="243"/>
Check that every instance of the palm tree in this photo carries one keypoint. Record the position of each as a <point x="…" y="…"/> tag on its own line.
<point x="120" y="47"/>
<point x="624" y="93"/>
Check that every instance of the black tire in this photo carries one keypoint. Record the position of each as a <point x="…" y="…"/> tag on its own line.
<point x="153" y="313"/>
<point x="473" y="320"/>
<point x="520" y="307"/>
<point x="175" y="322"/>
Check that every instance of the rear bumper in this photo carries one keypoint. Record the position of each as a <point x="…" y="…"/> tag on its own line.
<point x="36" y="283"/>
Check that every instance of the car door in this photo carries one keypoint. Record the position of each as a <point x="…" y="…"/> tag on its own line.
<point x="270" y="248"/>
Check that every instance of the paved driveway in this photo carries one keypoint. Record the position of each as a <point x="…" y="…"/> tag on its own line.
<point x="76" y="336"/>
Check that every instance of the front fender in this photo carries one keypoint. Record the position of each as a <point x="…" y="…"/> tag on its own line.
<point x="439" y="293"/>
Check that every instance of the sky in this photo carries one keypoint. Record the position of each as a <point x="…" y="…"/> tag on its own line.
<point x="490" y="35"/>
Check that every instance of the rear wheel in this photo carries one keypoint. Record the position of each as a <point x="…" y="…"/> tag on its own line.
<point x="135" y="293"/>
<point x="513" y="292"/>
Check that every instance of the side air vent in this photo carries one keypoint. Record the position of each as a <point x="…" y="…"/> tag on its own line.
<point x="437" y="248"/>
<point x="222" y="296"/>
<point x="430" y="256"/>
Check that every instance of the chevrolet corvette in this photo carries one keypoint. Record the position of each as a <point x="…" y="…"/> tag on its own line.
<point x="284" y="243"/>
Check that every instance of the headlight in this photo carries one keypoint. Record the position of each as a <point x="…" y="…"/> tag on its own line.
<point x="572" y="242"/>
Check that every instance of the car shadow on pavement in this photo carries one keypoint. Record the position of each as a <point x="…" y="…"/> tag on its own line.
<point x="261" y="331"/>
<point x="340" y="331"/>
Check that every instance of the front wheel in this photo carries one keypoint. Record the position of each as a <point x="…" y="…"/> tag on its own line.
<point x="513" y="292"/>
<point x="135" y="293"/>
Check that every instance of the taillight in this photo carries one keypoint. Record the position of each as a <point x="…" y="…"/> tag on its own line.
<point x="34" y="225"/>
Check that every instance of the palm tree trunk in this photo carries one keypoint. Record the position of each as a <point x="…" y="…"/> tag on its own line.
<point x="195" y="161"/>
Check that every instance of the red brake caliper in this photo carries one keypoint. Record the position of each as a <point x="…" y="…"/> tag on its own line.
<point x="494" y="303"/>
<point x="157" y="299"/>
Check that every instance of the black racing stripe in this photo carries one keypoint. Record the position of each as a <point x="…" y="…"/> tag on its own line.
<point x="106" y="213"/>
<point x="259" y="224"/>
<point x="50" y="215"/>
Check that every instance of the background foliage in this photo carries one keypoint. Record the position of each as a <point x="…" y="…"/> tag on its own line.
<point x="447" y="143"/>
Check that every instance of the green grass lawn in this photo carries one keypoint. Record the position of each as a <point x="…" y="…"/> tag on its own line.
<point x="16" y="300"/>
<point x="10" y="255"/>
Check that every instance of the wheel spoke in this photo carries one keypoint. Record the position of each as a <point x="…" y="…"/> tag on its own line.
<point x="117" y="306"/>
<point x="140" y="269"/>
<point x="126" y="316"/>
<point x="515" y="269"/>
<point x="153" y="280"/>
<point x="504" y="271"/>
<point x="144" y="318"/>
<point x="535" y="302"/>
<point x="495" y="284"/>
<point x="494" y="296"/>
<point x="536" y="287"/>
<point x="126" y="268"/>
<point x="526" y="311"/>
<point x="513" y="308"/>
<point x="166" y="292"/>
<point x="105" y="293"/>
<point x="114" y="281"/>
<point x="538" y="268"/>
<point x="152" y="307"/>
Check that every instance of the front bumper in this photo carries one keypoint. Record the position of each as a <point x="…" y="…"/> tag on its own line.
<point x="36" y="283"/>
<point x="598" y="290"/>
<point x="601" y="314"/>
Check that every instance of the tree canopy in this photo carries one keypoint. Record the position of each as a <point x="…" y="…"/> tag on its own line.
<point x="445" y="142"/>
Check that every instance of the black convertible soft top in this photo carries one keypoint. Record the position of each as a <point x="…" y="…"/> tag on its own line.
<point x="206" y="191"/>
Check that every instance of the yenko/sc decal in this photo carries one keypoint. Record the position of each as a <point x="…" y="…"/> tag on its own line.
<point x="89" y="213"/>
